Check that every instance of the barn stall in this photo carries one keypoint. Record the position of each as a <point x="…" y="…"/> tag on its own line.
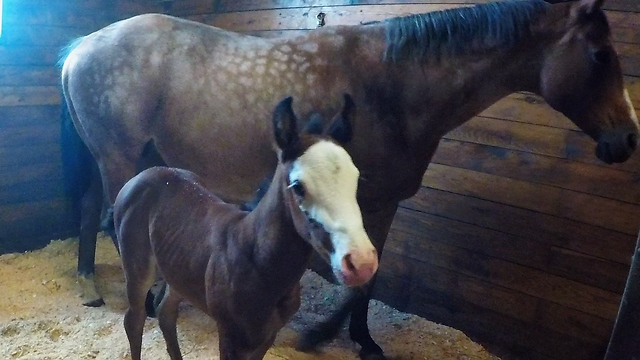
<point x="519" y="236"/>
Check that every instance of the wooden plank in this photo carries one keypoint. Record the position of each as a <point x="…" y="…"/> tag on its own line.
<point x="37" y="134"/>
<point x="29" y="191"/>
<point x="42" y="35"/>
<point x="591" y="179"/>
<point x="499" y="299"/>
<point x="76" y="4"/>
<point x="629" y="58"/>
<point x="304" y="19"/>
<point x="29" y="55"/>
<point x="197" y="7"/>
<point x="12" y="116"/>
<point x="589" y="209"/>
<point x="514" y="304"/>
<point x="622" y="5"/>
<point x="528" y="108"/>
<point x="410" y="227"/>
<point x="520" y="337"/>
<point x="572" y="322"/>
<point x="28" y="14"/>
<point x="541" y="140"/>
<point x="16" y="213"/>
<point x="36" y="231"/>
<point x="509" y="275"/>
<point x="29" y="95"/>
<point x="29" y="75"/>
<point x="588" y="269"/>
<point x="624" y="26"/>
<point x="29" y="173"/>
<point x="563" y="233"/>
<point x="34" y="154"/>
<point x="127" y="8"/>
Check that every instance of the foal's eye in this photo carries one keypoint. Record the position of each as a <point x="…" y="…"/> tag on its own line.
<point x="602" y="57"/>
<point x="297" y="188"/>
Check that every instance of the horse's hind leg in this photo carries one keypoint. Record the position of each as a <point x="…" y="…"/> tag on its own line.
<point x="90" y="206"/>
<point x="167" y="318"/>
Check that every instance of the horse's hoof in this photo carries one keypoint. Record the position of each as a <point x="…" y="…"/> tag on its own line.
<point x="371" y="355"/>
<point x="308" y="341"/>
<point x="88" y="292"/>
<point x="94" y="303"/>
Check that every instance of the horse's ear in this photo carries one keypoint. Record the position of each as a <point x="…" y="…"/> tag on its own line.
<point x="284" y="125"/>
<point x="314" y="125"/>
<point x="341" y="129"/>
<point x="587" y="7"/>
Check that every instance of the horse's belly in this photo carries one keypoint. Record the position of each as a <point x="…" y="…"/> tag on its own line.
<point x="232" y="168"/>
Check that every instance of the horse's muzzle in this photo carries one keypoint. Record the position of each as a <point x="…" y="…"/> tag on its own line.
<point x="358" y="268"/>
<point x="617" y="146"/>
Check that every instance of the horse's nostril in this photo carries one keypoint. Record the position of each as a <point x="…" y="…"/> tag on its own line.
<point x="348" y="264"/>
<point x="632" y="141"/>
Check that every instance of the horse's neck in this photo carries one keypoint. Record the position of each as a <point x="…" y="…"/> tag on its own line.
<point x="440" y="95"/>
<point x="278" y="251"/>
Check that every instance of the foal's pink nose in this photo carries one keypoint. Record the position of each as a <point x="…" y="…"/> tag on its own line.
<point x="358" y="268"/>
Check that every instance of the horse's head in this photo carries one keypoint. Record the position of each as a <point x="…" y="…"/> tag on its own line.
<point x="582" y="78"/>
<point x="319" y="185"/>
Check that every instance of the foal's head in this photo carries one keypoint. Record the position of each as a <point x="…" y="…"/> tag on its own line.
<point x="320" y="183"/>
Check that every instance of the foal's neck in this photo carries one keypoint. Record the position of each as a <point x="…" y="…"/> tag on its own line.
<point x="278" y="250"/>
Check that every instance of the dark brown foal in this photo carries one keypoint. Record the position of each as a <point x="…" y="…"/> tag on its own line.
<point x="243" y="268"/>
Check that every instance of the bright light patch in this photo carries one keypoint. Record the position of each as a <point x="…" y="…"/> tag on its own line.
<point x="0" y="17"/>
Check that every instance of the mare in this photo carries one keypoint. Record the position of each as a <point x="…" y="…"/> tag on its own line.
<point x="243" y="268"/>
<point x="202" y="95"/>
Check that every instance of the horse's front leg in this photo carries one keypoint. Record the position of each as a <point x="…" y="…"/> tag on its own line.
<point x="90" y="211"/>
<point x="377" y="225"/>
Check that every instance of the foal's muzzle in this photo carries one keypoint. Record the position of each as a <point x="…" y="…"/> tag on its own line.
<point x="616" y="146"/>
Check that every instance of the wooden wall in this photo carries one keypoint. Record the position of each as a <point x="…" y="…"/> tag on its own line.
<point x="519" y="236"/>
<point x="33" y="206"/>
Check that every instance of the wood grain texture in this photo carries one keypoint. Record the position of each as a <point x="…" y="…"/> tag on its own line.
<point x="532" y="225"/>
<point x="587" y="178"/>
<point x="531" y="251"/>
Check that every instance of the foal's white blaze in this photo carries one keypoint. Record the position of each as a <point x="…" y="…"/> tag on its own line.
<point x="331" y="179"/>
<point x="632" y="111"/>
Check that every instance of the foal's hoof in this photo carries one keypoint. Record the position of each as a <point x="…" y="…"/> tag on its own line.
<point x="88" y="292"/>
<point x="93" y="303"/>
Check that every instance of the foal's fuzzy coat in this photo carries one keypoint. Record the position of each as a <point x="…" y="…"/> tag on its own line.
<point x="243" y="269"/>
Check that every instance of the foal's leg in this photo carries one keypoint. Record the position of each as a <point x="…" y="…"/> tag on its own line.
<point x="377" y="225"/>
<point x="139" y="271"/>
<point x="135" y="315"/>
<point x="231" y="343"/>
<point x="167" y="318"/>
<point x="259" y="353"/>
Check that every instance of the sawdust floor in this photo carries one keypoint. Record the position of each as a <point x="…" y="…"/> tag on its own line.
<point x="41" y="317"/>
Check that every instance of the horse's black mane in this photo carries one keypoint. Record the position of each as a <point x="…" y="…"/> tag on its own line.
<point x="461" y="30"/>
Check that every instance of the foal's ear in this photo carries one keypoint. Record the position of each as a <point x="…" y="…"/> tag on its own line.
<point x="284" y="125"/>
<point x="340" y="128"/>
<point x="587" y="7"/>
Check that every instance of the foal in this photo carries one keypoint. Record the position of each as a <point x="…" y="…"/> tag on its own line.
<point x="243" y="268"/>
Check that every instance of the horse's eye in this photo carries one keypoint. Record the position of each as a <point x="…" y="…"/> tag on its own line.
<point x="297" y="188"/>
<point x="602" y="57"/>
